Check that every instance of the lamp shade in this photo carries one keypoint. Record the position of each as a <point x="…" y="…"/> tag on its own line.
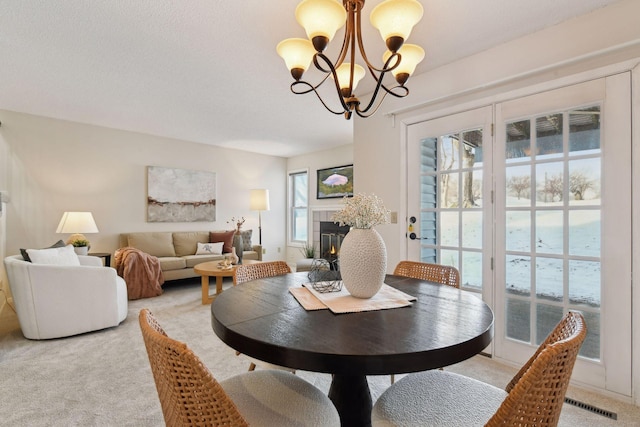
<point x="297" y="53"/>
<point x="77" y="222"/>
<point x="259" y="200"/>
<point x="412" y="54"/>
<point x="396" y="18"/>
<point x="321" y="17"/>
<point x="344" y="74"/>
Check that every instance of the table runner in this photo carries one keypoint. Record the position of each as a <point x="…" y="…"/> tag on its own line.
<point x="343" y="302"/>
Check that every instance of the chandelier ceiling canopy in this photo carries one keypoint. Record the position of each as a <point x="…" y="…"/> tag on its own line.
<point x="321" y="19"/>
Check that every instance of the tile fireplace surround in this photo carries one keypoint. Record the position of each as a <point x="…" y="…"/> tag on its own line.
<point x="319" y="216"/>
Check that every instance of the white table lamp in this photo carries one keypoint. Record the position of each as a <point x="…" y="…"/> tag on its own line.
<point x="259" y="202"/>
<point x="77" y="223"/>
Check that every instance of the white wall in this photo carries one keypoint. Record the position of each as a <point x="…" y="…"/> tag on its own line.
<point x="49" y="166"/>
<point x="338" y="156"/>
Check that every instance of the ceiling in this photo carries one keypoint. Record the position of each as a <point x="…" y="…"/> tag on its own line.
<point x="207" y="70"/>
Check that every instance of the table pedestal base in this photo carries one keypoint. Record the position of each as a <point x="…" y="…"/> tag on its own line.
<point x="351" y="396"/>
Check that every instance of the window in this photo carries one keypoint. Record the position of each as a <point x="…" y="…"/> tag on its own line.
<point x="298" y="206"/>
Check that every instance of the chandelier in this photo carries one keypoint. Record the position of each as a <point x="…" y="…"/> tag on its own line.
<point x="322" y="18"/>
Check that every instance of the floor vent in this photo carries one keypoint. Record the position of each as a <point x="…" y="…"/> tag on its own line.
<point x="591" y="408"/>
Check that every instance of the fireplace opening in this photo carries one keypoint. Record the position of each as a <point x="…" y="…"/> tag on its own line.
<point x="331" y="237"/>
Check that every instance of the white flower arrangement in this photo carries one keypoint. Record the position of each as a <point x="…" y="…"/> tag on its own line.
<point x="362" y="211"/>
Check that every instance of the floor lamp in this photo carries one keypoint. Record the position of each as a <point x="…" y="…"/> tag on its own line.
<point x="259" y="202"/>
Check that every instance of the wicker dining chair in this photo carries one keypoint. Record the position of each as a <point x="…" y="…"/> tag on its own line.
<point x="533" y="397"/>
<point x="190" y="395"/>
<point x="261" y="270"/>
<point x="444" y="274"/>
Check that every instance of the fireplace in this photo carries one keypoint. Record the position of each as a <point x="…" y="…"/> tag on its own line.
<point x="331" y="236"/>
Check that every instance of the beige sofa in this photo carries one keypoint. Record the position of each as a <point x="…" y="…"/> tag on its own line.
<point x="176" y="250"/>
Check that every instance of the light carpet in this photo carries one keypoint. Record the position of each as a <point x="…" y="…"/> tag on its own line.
<point x="103" y="378"/>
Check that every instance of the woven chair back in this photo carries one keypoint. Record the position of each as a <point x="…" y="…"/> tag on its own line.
<point x="536" y="392"/>
<point x="189" y="395"/>
<point x="247" y="272"/>
<point x="443" y="274"/>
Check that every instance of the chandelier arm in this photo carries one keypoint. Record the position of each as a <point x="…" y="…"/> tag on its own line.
<point x="364" y="113"/>
<point x="379" y="85"/>
<point x="331" y="70"/>
<point x="311" y="88"/>
<point x="397" y="95"/>
<point x="373" y="98"/>
<point x="384" y="70"/>
<point x="319" y="66"/>
<point x="392" y="90"/>
<point x="309" y="85"/>
<point x="327" y="107"/>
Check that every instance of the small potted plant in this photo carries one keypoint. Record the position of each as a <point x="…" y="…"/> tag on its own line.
<point x="80" y="246"/>
<point x="308" y="250"/>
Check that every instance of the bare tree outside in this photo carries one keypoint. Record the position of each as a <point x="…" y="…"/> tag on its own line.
<point x="551" y="189"/>
<point x="579" y="183"/>
<point x="468" y="160"/>
<point x="447" y="164"/>
<point x="520" y="186"/>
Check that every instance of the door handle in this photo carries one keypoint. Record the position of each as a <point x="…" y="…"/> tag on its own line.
<point x="412" y="235"/>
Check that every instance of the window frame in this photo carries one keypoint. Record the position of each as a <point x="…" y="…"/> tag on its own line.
<point x="291" y="208"/>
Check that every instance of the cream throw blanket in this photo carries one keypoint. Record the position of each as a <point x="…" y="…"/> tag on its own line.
<point x="141" y="271"/>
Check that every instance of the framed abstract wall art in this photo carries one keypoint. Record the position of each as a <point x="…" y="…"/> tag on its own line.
<point x="180" y="195"/>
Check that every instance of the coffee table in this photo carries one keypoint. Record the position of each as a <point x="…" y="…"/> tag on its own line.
<point x="211" y="269"/>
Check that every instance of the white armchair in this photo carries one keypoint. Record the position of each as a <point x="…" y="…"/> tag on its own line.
<point x="55" y="301"/>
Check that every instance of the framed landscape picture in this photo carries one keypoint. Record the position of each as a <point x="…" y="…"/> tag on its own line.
<point x="335" y="182"/>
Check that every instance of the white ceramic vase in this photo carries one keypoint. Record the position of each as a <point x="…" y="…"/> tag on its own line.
<point x="234" y="256"/>
<point x="363" y="262"/>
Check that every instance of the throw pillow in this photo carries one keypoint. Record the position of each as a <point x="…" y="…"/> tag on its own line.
<point x="210" y="248"/>
<point x="246" y="240"/>
<point x="54" y="256"/>
<point x="223" y="236"/>
<point x="25" y="255"/>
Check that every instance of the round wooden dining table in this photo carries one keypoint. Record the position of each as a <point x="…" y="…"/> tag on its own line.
<point x="443" y="326"/>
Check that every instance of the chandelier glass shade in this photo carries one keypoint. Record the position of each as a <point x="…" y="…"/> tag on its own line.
<point x="321" y="19"/>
